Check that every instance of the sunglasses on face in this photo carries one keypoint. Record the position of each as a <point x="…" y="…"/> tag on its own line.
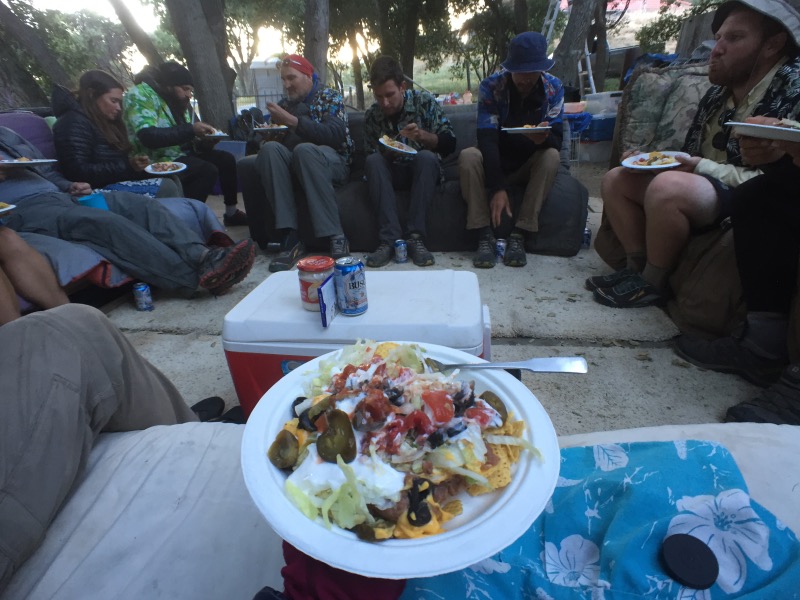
<point x="720" y="139"/>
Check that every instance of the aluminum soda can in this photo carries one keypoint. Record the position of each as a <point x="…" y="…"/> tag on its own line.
<point x="400" y="251"/>
<point x="500" y="249"/>
<point x="587" y="238"/>
<point x="351" y="286"/>
<point x="142" y="297"/>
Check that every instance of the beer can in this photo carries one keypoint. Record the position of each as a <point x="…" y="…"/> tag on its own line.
<point x="142" y="297"/>
<point x="587" y="238"/>
<point x="351" y="286"/>
<point x="500" y="249"/>
<point x="400" y="251"/>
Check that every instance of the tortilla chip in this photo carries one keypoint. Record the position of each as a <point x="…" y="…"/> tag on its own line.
<point x="499" y="474"/>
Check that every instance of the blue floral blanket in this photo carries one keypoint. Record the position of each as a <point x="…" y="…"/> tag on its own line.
<point x="600" y="536"/>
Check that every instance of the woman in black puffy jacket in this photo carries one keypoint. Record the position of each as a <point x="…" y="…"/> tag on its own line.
<point x="92" y="141"/>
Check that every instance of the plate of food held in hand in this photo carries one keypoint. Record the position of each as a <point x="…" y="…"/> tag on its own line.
<point x="395" y="145"/>
<point x="527" y="129"/>
<point x="654" y="161"/>
<point x="787" y="131"/>
<point x="371" y="461"/>
<point x="217" y="135"/>
<point x="270" y="128"/>
<point x="6" y="208"/>
<point x="24" y="161"/>
<point x="165" y="168"/>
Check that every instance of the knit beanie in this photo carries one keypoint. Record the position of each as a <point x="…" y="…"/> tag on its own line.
<point x="298" y="63"/>
<point x="172" y="73"/>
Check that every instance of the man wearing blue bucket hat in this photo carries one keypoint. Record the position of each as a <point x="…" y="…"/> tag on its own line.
<point x="521" y="95"/>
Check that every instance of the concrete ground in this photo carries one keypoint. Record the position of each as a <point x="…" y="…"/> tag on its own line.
<point x="542" y="309"/>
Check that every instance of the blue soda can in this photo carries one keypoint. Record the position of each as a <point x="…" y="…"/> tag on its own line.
<point x="351" y="286"/>
<point x="142" y="297"/>
<point x="400" y="251"/>
<point x="587" y="238"/>
<point x="500" y="249"/>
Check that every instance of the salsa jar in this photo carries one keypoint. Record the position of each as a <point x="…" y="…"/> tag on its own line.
<point x="312" y="271"/>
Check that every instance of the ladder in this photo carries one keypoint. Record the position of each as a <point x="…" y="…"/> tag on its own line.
<point x="585" y="77"/>
<point x="550" y="20"/>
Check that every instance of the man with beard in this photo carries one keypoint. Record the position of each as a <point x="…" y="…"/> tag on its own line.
<point x="158" y="113"/>
<point x="755" y="71"/>
<point x="313" y="146"/>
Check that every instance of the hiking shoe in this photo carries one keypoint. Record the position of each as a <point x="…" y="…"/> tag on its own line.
<point x="632" y="292"/>
<point x="381" y="256"/>
<point x="209" y="408"/>
<point x="607" y="281"/>
<point x="418" y="252"/>
<point x="779" y="404"/>
<point x="729" y="355"/>
<point x="515" y="251"/>
<point x="222" y="268"/>
<point x="485" y="258"/>
<point x="286" y="258"/>
<point x="340" y="247"/>
<point x="236" y="219"/>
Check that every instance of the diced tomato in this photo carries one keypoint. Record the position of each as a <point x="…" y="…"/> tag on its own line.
<point x="340" y="380"/>
<point x="483" y="415"/>
<point x="391" y="436"/>
<point x="441" y="405"/>
<point x="419" y="422"/>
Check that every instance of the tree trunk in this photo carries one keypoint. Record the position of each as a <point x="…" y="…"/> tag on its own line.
<point x="18" y="88"/>
<point x="571" y="46"/>
<point x="520" y="16"/>
<point x="211" y="84"/>
<point x="410" y="23"/>
<point x="138" y="35"/>
<point x="317" y="22"/>
<point x="29" y="39"/>
<point x="499" y="35"/>
<point x="384" y="35"/>
<point x="214" y="11"/>
<point x="601" y="49"/>
<point x="358" y="76"/>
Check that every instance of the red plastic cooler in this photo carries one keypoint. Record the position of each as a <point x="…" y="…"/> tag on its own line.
<point x="269" y="333"/>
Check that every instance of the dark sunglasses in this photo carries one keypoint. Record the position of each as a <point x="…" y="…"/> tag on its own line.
<point x="720" y="139"/>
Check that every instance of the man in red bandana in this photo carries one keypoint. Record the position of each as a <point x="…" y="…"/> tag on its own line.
<point x="315" y="149"/>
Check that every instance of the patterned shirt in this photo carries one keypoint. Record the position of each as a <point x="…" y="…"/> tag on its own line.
<point x="418" y="107"/>
<point x="143" y="108"/>
<point x="322" y="118"/>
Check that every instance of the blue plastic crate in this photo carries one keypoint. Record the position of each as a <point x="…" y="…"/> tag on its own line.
<point x="601" y="128"/>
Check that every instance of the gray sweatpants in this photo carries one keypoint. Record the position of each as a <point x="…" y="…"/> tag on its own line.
<point x="67" y="374"/>
<point x="317" y="169"/>
<point x="136" y="234"/>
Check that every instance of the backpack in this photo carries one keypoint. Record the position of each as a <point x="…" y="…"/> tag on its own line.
<point x="241" y="128"/>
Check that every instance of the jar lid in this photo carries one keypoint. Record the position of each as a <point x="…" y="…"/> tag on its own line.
<point x="315" y="264"/>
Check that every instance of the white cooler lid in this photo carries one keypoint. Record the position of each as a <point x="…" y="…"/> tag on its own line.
<point x="437" y="307"/>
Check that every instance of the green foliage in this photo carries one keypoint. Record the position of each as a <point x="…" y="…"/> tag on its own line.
<point x="654" y="36"/>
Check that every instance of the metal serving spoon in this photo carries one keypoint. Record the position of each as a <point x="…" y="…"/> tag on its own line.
<point x="556" y="364"/>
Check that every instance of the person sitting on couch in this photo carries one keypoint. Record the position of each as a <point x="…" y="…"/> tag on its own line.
<point x="765" y="217"/>
<point x="160" y="120"/>
<point x="92" y="142"/>
<point x="522" y="94"/>
<point x="315" y="148"/>
<point x="415" y="119"/>
<point x="754" y="70"/>
<point x="136" y="233"/>
<point x="25" y="272"/>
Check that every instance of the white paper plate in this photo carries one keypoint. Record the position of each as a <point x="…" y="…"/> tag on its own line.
<point x="404" y="150"/>
<point x="7" y="209"/>
<point x="216" y="136"/>
<point x="149" y="168"/>
<point x="767" y="132"/>
<point x="526" y="129"/>
<point x="26" y="163"/>
<point x="488" y="524"/>
<point x="629" y="162"/>
<point x="268" y="129"/>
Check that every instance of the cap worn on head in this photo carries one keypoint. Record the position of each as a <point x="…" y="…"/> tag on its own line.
<point x="172" y="73"/>
<point x="527" y="53"/>
<point x="785" y="13"/>
<point x="298" y="63"/>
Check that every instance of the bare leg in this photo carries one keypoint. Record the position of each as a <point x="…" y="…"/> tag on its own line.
<point x="623" y="193"/>
<point x="675" y="203"/>
<point x="9" y="305"/>
<point x="29" y="272"/>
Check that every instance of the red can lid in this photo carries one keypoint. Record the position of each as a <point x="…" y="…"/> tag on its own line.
<point x="315" y="264"/>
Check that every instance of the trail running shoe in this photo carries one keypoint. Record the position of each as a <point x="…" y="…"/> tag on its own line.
<point x="485" y="258"/>
<point x="222" y="268"/>
<point x="515" y="251"/>
<point x="418" y="252"/>
<point x="286" y="258"/>
<point x="381" y="256"/>
<point x="633" y="292"/>
<point x="779" y="404"/>
<point x="610" y="280"/>
<point x="237" y="219"/>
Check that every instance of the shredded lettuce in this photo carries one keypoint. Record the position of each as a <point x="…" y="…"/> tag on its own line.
<point x="510" y="440"/>
<point x="300" y="500"/>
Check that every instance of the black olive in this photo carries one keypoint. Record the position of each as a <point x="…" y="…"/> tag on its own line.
<point x="436" y="439"/>
<point x="419" y="516"/>
<point x="362" y="423"/>
<point x="494" y="401"/>
<point x="284" y="450"/>
<point x="464" y="398"/>
<point x="395" y="395"/>
<point x="304" y="421"/>
<point x="455" y="430"/>
<point x="295" y="402"/>
<point x="338" y="439"/>
<point x="364" y="532"/>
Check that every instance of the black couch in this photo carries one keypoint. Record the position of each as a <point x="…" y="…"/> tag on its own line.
<point x="447" y="213"/>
